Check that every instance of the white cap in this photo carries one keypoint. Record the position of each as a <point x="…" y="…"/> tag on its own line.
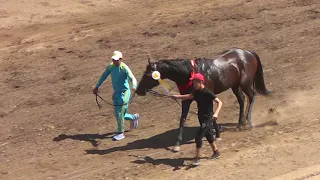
<point x="116" y="55"/>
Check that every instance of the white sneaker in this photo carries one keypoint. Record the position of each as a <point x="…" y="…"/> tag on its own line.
<point x="196" y="162"/>
<point x="135" y="122"/>
<point x="118" y="137"/>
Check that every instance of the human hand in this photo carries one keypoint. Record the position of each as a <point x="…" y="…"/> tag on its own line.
<point x="215" y="117"/>
<point x="95" y="90"/>
<point x="172" y="97"/>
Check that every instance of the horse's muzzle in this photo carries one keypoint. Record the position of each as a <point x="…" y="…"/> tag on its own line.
<point x="141" y="93"/>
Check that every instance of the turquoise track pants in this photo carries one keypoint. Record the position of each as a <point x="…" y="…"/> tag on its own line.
<point x="121" y="114"/>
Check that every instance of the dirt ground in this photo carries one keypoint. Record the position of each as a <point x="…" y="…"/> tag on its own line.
<point x="53" y="52"/>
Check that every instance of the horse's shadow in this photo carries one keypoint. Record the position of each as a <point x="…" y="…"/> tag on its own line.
<point x="160" y="141"/>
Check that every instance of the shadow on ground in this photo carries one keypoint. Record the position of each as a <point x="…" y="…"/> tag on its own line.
<point x="163" y="140"/>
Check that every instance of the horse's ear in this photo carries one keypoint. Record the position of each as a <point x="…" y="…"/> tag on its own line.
<point x="149" y="59"/>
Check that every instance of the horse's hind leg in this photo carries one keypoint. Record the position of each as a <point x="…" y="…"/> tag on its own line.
<point x="251" y="96"/>
<point x="237" y="91"/>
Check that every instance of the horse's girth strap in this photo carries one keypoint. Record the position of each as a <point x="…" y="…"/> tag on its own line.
<point x="189" y="84"/>
<point x="193" y="62"/>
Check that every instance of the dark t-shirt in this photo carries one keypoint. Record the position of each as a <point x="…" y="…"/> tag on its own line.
<point x="204" y="98"/>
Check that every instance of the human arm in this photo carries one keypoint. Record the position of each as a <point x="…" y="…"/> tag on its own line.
<point x="132" y="78"/>
<point x="185" y="96"/>
<point x="102" y="78"/>
<point x="216" y="112"/>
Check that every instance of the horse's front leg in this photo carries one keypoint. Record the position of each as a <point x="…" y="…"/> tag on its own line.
<point x="240" y="96"/>
<point x="184" y="112"/>
<point x="176" y="148"/>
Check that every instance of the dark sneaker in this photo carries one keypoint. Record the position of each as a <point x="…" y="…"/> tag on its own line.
<point x="215" y="155"/>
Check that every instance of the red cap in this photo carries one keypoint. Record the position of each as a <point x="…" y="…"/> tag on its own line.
<point x="198" y="76"/>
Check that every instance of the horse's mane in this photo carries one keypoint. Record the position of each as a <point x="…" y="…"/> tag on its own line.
<point x="182" y="66"/>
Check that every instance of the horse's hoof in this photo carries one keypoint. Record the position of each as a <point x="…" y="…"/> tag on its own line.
<point x="176" y="149"/>
<point x="239" y="128"/>
<point x="185" y="124"/>
<point x="250" y="126"/>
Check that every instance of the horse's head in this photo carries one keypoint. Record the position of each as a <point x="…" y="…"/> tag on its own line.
<point x="177" y="70"/>
<point x="147" y="82"/>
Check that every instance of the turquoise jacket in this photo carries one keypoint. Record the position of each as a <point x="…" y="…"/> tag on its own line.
<point x="119" y="76"/>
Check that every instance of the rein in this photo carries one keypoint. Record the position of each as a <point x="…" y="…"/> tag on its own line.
<point x="155" y="93"/>
<point x="111" y="104"/>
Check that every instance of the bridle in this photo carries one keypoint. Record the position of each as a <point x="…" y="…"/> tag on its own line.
<point x="157" y="94"/>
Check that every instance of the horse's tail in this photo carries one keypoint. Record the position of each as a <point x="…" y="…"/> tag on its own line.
<point x="259" y="84"/>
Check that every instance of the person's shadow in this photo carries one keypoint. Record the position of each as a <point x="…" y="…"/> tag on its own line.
<point x="167" y="161"/>
<point x="163" y="140"/>
<point x="176" y="163"/>
<point x="92" y="138"/>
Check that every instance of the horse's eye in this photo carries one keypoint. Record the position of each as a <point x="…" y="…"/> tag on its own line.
<point x="146" y="73"/>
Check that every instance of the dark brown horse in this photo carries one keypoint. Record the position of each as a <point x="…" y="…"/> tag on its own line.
<point x="238" y="69"/>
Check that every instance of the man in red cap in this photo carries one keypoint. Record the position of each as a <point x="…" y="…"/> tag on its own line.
<point x="204" y="98"/>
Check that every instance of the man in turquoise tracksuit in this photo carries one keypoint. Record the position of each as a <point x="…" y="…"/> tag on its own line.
<point x="120" y="74"/>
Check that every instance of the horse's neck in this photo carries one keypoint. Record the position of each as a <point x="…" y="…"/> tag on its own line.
<point x="179" y="77"/>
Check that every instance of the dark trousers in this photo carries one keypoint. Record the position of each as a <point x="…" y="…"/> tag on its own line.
<point x="205" y="130"/>
<point x="185" y="109"/>
<point x="216" y="127"/>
